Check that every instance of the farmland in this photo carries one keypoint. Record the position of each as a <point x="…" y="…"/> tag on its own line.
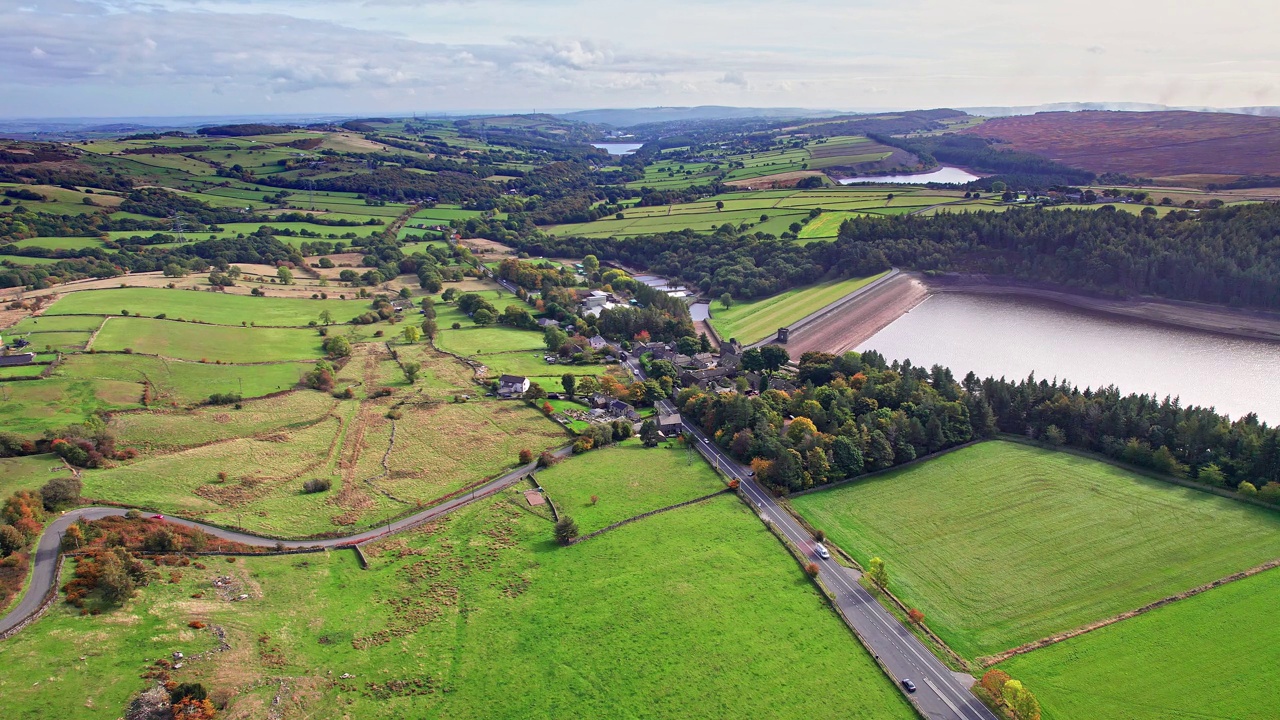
<point x="755" y="320"/>
<point x="627" y="480"/>
<point x="1197" y="647"/>
<point x="684" y="594"/>
<point x="189" y="341"/>
<point x="1000" y="544"/>
<point x="214" y="308"/>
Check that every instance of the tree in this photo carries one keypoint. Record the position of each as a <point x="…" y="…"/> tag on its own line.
<point x="11" y="540"/>
<point x="704" y="343"/>
<point x="326" y="317"/>
<point x="726" y="300"/>
<point x="174" y="270"/>
<point x="554" y="338"/>
<point x="449" y="294"/>
<point x="483" y="317"/>
<point x="1020" y="700"/>
<point x="774" y="357"/>
<point x="570" y="382"/>
<point x="847" y="456"/>
<point x="411" y="335"/>
<point x="1247" y="489"/>
<point x="915" y="616"/>
<point x="60" y="491"/>
<point x="1054" y="435"/>
<point x="336" y="346"/>
<point x="993" y="681"/>
<point x="687" y="345"/>
<point x="113" y="578"/>
<point x="429" y="308"/>
<point x="429" y="329"/>
<point x="526" y="456"/>
<point x="752" y="360"/>
<point x="649" y="433"/>
<point x="286" y="277"/>
<point x="566" y="530"/>
<point x="1211" y="474"/>
<point x="591" y="265"/>
<point x="800" y="429"/>
<point x="719" y="205"/>
<point x="877" y="573"/>
<point x="411" y="370"/>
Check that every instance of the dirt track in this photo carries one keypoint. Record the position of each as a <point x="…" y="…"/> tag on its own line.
<point x="844" y="329"/>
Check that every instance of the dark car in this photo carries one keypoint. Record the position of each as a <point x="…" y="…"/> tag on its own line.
<point x="908" y="685"/>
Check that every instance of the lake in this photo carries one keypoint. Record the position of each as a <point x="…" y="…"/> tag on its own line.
<point x="1000" y="335"/>
<point x="618" y="148"/>
<point x="944" y="174"/>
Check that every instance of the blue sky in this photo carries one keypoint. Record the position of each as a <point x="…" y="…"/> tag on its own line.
<point x="183" y="57"/>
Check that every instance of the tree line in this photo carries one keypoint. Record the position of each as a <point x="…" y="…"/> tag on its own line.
<point x="856" y="413"/>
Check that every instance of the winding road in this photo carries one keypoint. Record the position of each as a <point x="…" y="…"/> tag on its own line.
<point x="46" y="559"/>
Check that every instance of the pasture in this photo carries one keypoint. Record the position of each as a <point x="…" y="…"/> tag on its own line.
<point x="31" y="407"/>
<point x="29" y="472"/>
<point x="1000" y="543"/>
<point x="757" y="319"/>
<point x="184" y="382"/>
<point x="628" y="479"/>
<point x="192" y="341"/>
<point x="206" y="307"/>
<point x="472" y="603"/>
<point x="1204" y="652"/>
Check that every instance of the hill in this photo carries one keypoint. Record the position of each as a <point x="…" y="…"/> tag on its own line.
<point x="1146" y="144"/>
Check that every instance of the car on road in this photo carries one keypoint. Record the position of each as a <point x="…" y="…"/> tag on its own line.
<point x="157" y="517"/>
<point x="821" y="550"/>
<point x="908" y="685"/>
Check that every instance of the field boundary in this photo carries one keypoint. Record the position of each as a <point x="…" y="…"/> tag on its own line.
<point x="644" y="515"/>
<point x="878" y="473"/>
<point x="989" y="660"/>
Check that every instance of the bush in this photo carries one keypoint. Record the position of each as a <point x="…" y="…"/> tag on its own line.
<point x="546" y="459"/>
<point x="317" y="485"/>
<point x="526" y="456"/>
<point x="60" y="491"/>
<point x="224" y="399"/>
<point x="811" y="569"/>
<point x="1247" y="489"/>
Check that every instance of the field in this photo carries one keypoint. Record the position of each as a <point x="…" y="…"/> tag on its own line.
<point x="184" y="382"/>
<point x="29" y="408"/>
<point x="1200" y="658"/>
<point x="473" y="340"/>
<point x="628" y="479"/>
<point x="1146" y="144"/>
<point x="29" y="472"/>
<point x="215" y="308"/>
<point x="481" y="616"/>
<point x="1000" y="544"/>
<point x="758" y="319"/>
<point x="189" y="341"/>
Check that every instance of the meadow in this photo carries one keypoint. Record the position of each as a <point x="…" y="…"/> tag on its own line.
<point x="627" y="479"/>
<point x="1000" y="543"/>
<point x="29" y="472"/>
<point x="191" y="341"/>
<point x="184" y="382"/>
<point x="207" y="307"/>
<point x="758" y="319"/>
<point x="480" y="616"/>
<point x="1201" y="655"/>
<point x="474" y="340"/>
<point x="29" y="408"/>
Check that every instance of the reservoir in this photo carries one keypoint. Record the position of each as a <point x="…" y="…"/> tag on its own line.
<point x="1012" y="337"/>
<point x="944" y="174"/>
<point x="617" y="148"/>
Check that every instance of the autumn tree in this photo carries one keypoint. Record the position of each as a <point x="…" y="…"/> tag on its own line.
<point x="993" y="681"/>
<point x="526" y="456"/>
<point x="915" y="616"/>
<point x="1020" y="700"/>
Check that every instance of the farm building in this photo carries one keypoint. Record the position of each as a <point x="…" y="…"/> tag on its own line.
<point x="512" y="386"/>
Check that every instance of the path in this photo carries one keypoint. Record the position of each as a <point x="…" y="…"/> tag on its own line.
<point x="46" y="558"/>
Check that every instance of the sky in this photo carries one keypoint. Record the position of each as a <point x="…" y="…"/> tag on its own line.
<point x="118" y="58"/>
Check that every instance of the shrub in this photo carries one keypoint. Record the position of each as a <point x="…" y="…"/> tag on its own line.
<point x="317" y="485"/>
<point x="546" y="459"/>
<point x="526" y="456"/>
<point x="811" y="569"/>
<point x="1247" y="489"/>
<point x="197" y="625"/>
<point x="224" y="399"/>
<point x="60" y="491"/>
<point x="820" y="535"/>
<point x="915" y="616"/>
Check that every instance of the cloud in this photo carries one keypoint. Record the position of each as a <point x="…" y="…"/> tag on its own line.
<point x="736" y="77"/>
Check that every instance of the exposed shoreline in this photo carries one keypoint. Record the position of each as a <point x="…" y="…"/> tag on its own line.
<point x="1252" y="324"/>
<point x="861" y="318"/>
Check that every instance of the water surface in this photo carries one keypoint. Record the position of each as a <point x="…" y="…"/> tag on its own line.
<point x="618" y="148"/>
<point x="996" y="335"/>
<point x="944" y="174"/>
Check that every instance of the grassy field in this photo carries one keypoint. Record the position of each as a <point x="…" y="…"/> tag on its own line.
<point x="29" y="472"/>
<point x="188" y="341"/>
<point x="826" y="225"/>
<point x="1199" y="657"/>
<point x="497" y="621"/>
<point x="1000" y="543"/>
<point x="215" y="308"/>
<point x="628" y="479"/>
<point x="185" y="382"/>
<point x="474" y="340"/>
<point x="29" y="408"/>
<point x="532" y="364"/>
<point x="757" y="319"/>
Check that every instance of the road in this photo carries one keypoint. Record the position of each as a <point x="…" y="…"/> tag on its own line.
<point x="940" y="694"/>
<point x="46" y="561"/>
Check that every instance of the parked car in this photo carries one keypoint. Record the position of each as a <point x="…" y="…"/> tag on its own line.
<point x="822" y="551"/>
<point x="908" y="685"/>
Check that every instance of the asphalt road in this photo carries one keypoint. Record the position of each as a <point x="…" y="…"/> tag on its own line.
<point x="940" y="694"/>
<point x="47" y="550"/>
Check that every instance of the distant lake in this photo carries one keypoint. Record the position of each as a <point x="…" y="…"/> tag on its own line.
<point x="944" y="174"/>
<point x="618" y="148"/>
<point x="1009" y="336"/>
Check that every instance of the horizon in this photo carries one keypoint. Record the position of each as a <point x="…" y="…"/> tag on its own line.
<point x="175" y="58"/>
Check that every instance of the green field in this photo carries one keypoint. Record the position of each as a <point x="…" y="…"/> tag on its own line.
<point x="499" y="622"/>
<point x="215" y="308"/>
<point x="1196" y="658"/>
<point x="29" y="472"/>
<point x="185" y="382"/>
<point x="826" y="225"/>
<point x="474" y="340"/>
<point x="628" y="479"/>
<point x="758" y="319"/>
<point x="1000" y="543"/>
<point x="190" y="341"/>
<point x="31" y="407"/>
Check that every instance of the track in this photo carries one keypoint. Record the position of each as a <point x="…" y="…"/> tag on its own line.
<point x="47" y="551"/>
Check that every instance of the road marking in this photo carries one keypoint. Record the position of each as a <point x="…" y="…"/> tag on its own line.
<point x="954" y="709"/>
